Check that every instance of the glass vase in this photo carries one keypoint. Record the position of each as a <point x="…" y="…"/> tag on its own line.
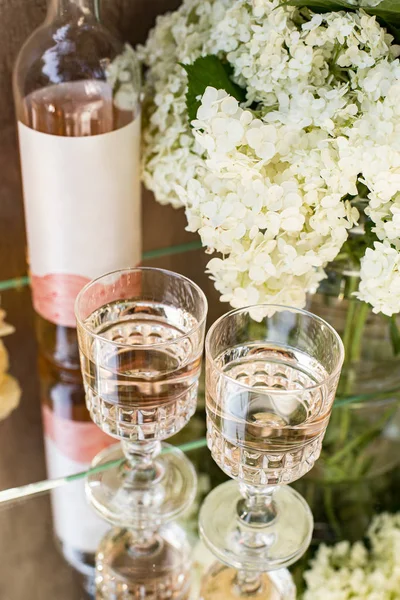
<point x="355" y="475"/>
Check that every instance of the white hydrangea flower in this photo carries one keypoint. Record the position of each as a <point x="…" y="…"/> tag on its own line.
<point x="123" y="77"/>
<point x="268" y="184"/>
<point x="351" y="572"/>
<point x="380" y="278"/>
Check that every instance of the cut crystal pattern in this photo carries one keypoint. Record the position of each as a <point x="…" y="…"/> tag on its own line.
<point x="258" y="467"/>
<point x="159" y="422"/>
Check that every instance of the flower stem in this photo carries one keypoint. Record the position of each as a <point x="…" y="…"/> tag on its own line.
<point x="330" y="511"/>
<point x="351" y="287"/>
<point x="363" y="439"/>
<point x="357" y="314"/>
<point x="394" y="334"/>
<point x="363" y="311"/>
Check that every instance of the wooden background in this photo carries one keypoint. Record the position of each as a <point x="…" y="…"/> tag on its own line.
<point x="30" y="567"/>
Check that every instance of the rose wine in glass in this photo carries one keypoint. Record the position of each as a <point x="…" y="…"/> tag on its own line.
<point x="271" y="438"/>
<point x="147" y="385"/>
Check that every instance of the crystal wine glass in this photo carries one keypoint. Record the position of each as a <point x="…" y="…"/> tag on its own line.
<point x="141" y="335"/>
<point x="271" y="378"/>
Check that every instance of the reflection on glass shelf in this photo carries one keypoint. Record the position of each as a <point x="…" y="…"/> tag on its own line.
<point x="12" y="495"/>
<point x="143" y="564"/>
<point x="18" y="282"/>
<point x="71" y="441"/>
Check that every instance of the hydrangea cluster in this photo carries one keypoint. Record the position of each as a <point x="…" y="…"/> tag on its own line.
<point x="123" y="76"/>
<point x="346" y="571"/>
<point x="270" y="184"/>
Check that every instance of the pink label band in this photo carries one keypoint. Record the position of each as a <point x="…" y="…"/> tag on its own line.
<point x="78" y="440"/>
<point x="54" y="297"/>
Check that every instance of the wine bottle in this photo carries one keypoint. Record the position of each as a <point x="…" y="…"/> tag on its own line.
<point x="71" y="441"/>
<point x="77" y="97"/>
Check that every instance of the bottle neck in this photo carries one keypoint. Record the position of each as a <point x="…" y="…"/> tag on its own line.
<point x="62" y="8"/>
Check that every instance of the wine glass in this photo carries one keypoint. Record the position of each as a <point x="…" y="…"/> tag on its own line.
<point x="271" y="378"/>
<point x="141" y="336"/>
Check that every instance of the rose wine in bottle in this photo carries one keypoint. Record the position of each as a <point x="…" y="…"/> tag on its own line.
<point x="77" y="96"/>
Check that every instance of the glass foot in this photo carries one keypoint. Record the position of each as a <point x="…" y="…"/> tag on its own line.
<point x="224" y="583"/>
<point x="154" y="567"/>
<point x="258" y="540"/>
<point x="145" y="497"/>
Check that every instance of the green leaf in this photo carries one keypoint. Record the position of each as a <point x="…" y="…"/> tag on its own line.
<point x="395" y="31"/>
<point x="321" y="5"/>
<point x="387" y="11"/>
<point x="209" y="71"/>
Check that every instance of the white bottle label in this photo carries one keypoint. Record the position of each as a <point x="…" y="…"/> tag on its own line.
<point x="82" y="210"/>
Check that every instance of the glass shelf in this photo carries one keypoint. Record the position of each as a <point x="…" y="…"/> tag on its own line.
<point x="53" y="568"/>
<point x="18" y="282"/>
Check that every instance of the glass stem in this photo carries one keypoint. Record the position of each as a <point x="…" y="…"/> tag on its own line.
<point x="248" y="583"/>
<point x="258" y="505"/>
<point x="140" y="460"/>
<point x="143" y="542"/>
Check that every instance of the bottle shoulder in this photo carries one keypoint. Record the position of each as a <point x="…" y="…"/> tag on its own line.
<point x="67" y="69"/>
<point x="59" y="52"/>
